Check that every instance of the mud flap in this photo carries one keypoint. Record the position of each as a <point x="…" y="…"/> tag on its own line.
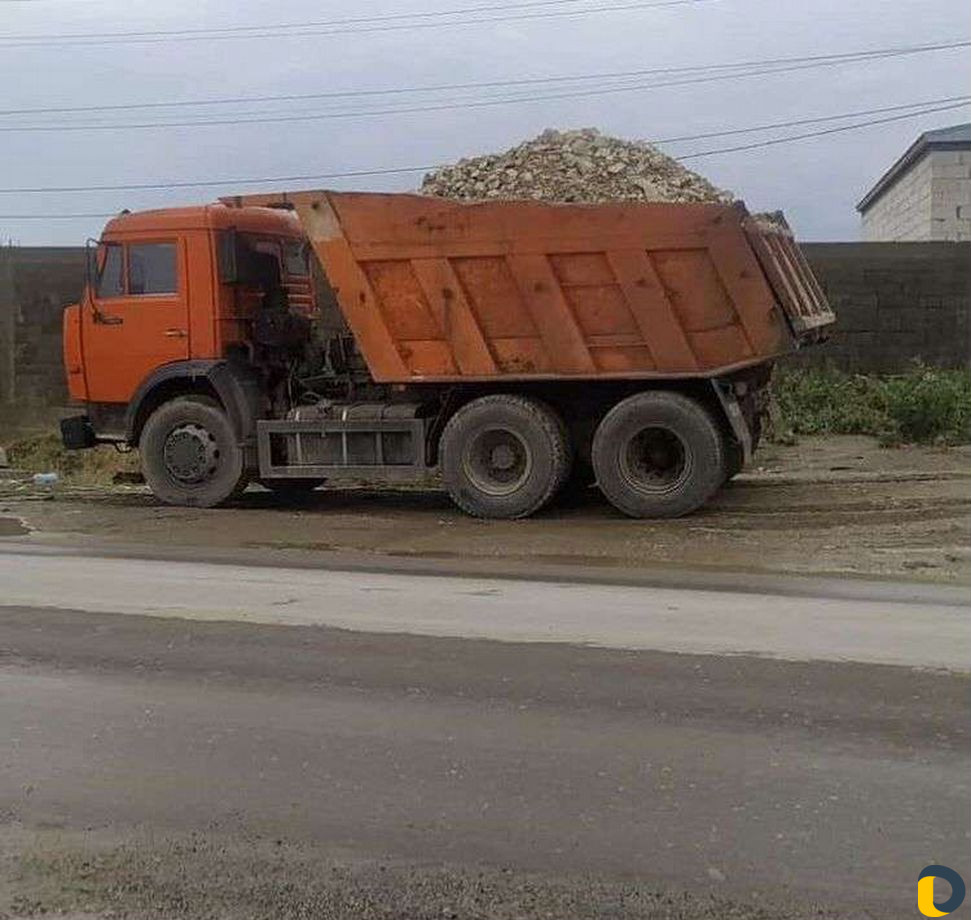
<point x="733" y="412"/>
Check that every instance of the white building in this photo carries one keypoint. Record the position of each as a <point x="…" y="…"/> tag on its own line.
<point x="926" y="194"/>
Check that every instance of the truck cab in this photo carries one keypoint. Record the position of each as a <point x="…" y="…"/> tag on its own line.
<point x="173" y="307"/>
<point x="173" y="286"/>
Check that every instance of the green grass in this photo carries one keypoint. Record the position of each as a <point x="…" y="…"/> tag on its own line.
<point x="925" y="405"/>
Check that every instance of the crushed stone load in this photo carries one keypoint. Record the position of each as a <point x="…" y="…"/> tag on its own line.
<point x="582" y="166"/>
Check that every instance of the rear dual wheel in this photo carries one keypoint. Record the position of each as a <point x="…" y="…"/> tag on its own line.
<point x="504" y="456"/>
<point x="659" y="454"/>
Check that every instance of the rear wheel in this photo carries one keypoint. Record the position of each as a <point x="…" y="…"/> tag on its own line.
<point x="504" y="456"/>
<point x="190" y="453"/>
<point x="659" y="454"/>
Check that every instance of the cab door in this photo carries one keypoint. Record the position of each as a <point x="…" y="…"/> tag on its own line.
<point x="139" y="318"/>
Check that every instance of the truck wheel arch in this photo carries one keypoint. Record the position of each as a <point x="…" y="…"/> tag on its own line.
<point x="235" y="388"/>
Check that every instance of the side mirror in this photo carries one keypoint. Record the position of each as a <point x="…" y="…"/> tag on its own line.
<point x="90" y="265"/>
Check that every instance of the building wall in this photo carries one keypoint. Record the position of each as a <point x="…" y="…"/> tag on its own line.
<point x="951" y="195"/>
<point x="932" y="201"/>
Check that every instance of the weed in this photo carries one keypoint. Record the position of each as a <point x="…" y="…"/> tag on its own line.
<point x="925" y="405"/>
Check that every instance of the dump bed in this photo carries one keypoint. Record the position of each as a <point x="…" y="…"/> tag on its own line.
<point x="436" y="290"/>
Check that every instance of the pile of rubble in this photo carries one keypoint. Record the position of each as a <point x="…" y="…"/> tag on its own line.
<point x="582" y="165"/>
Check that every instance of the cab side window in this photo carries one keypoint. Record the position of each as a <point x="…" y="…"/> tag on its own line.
<point x="295" y="260"/>
<point x="111" y="280"/>
<point x="152" y="268"/>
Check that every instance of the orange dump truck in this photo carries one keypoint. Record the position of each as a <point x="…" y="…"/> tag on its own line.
<point x="513" y="346"/>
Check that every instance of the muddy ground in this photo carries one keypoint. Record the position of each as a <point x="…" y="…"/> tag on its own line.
<point x="838" y="505"/>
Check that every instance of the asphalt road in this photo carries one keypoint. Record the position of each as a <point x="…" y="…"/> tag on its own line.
<point x="461" y="732"/>
<point x="888" y="623"/>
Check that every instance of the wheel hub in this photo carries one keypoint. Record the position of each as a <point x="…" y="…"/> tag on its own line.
<point x="503" y="457"/>
<point x="497" y="461"/>
<point x="655" y="460"/>
<point x="191" y="454"/>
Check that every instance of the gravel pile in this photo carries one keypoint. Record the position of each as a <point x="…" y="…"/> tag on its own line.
<point x="582" y="165"/>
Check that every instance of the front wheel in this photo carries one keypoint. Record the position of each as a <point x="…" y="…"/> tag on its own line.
<point x="190" y="453"/>
<point x="659" y="454"/>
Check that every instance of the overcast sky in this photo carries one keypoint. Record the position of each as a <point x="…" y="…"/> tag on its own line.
<point x="817" y="181"/>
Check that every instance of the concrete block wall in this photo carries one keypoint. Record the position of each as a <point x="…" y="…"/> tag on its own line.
<point x="903" y="212"/>
<point x="894" y="302"/>
<point x="951" y="195"/>
<point x="35" y="285"/>
<point x="930" y="202"/>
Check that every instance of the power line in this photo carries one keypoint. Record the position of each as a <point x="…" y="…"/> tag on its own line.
<point x="147" y="186"/>
<point x="489" y="84"/>
<point x="704" y="153"/>
<point x="99" y="39"/>
<point x="354" y="20"/>
<point x="812" y="121"/>
<point x="436" y="107"/>
<point x="823" y="133"/>
<point x="397" y="170"/>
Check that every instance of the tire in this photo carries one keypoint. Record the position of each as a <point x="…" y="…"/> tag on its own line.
<point x="567" y="465"/>
<point x="190" y="453"/>
<point x="504" y="456"/>
<point x="659" y="455"/>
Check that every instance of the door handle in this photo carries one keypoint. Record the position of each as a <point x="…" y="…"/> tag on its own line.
<point x="175" y="333"/>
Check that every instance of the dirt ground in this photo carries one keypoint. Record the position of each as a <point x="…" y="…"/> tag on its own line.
<point x="65" y="876"/>
<point x="837" y="505"/>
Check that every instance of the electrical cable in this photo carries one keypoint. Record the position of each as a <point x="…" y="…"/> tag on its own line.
<point x="681" y="158"/>
<point x="383" y="171"/>
<point x="412" y="109"/>
<point x="529" y="81"/>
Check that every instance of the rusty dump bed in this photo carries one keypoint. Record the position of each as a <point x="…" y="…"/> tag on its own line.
<point x="438" y="290"/>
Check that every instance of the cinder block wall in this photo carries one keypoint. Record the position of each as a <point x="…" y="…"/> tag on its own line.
<point x="35" y="285"/>
<point x="894" y="302"/>
<point x="903" y="212"/>
<point x="951" y="195"/>
<point x="931" y="202"/>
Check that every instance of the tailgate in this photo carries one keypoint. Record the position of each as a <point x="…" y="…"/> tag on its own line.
<point x="792" y="280"/>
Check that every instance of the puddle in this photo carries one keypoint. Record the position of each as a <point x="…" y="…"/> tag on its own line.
<point x="12" y="527"/>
